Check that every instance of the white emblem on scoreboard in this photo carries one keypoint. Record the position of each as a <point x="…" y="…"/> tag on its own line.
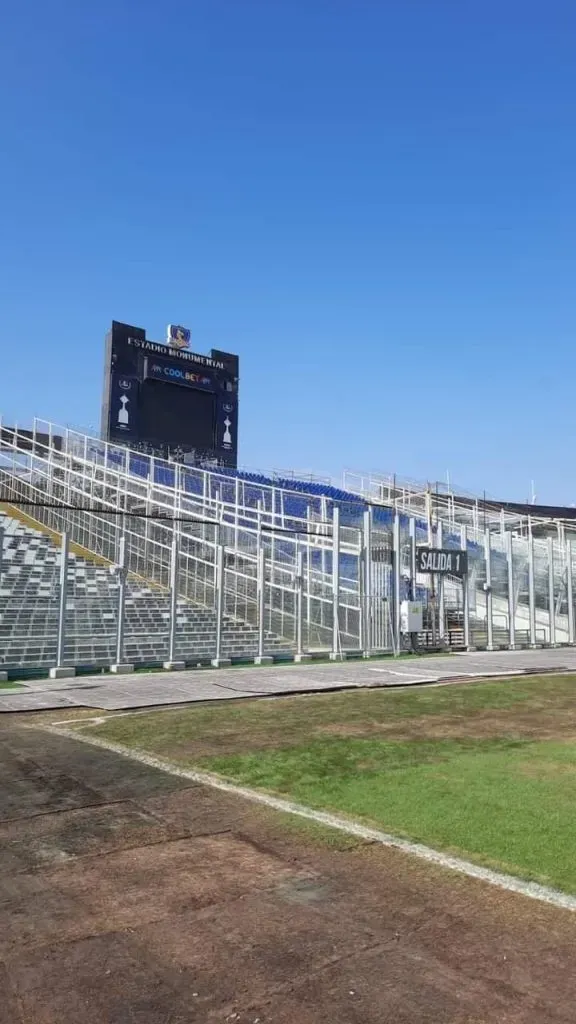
<point x="227" y="438"/>
<point x="123" y="414"/>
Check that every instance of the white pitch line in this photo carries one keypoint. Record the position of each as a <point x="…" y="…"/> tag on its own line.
<point x="497" y="675"/>
<point x="493" y="673"/>
<point x="403" y="675"/>
<point x="508" y="882"/>
<point x="409" y="680"/>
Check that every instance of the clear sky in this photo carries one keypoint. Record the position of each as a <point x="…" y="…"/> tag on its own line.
<point x="372" y="201"/>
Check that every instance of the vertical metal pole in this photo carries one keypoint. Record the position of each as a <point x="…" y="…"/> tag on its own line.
<point x="259" y="524"/>
<point x="569" y="589"/>
<point x="412" y="530"/>
<point x="511" y="604"/>
<point x="173" y="596"/>
<point x="551" y="607"/>
<point x="324" y="553"/>
<point x="148" y="570"/>
<point x="367" y="559"/>
<point x="236" y="510"/>
<point x="433" y="577"/>
<point x="273" y="547"/>
<point x="299" y="602"/>
<point x="489" y="601"/>
<point x="219" y="602"/>
<point x="412" y="592"/>
<point x="531" y="594"/>
<point x="570" y="592"/>
<point x="397" y="570"/>
<point x="217" y="535"/>
<point x="309" y="570"/>
<point x="261" y="598"/>
<point x="62" y="602"/>
<point x="429" y="518"/>
<point x="50" y="470"/>
<point x="336" y="582"/>
<point x="121" y="599"/>
<point x="441" y="592"/>
<point x="465" y="595"/>
<point x="1" y="551"/>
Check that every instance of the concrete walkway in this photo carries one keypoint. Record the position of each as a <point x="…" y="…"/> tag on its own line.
<point x="151" y="689"/>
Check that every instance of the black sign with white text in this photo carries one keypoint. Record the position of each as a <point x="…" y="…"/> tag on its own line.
<point x="444" y="561"/>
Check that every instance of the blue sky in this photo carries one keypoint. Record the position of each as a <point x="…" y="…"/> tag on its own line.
<point x="372" y="202"/>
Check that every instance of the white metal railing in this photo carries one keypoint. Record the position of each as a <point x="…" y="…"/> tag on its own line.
<point x="88" y="490"/>
<point x="439" y="503"/>
<point x="238" y="539"/>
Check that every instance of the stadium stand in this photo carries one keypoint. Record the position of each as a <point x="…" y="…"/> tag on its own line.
<point x="29" y="588"/>
<point x="260" y="565"/>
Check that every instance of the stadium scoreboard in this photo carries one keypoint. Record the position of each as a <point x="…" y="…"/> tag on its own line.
<point x="166" y="400"/>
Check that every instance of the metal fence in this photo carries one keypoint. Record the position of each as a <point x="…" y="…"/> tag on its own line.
<point x="195" y="566"/>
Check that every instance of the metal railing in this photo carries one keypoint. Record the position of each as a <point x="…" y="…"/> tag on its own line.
<point x="89" y="491"/>
<point x="317" y="572"/>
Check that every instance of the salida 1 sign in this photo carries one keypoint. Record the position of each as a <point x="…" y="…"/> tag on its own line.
<point x="444" y="561"/>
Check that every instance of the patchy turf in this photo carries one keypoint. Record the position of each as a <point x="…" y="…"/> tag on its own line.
<point x="507" y="804"/>
<point x="484" y="770"/>
<point x="529" y="706"/>
<point x="130" y="895"/>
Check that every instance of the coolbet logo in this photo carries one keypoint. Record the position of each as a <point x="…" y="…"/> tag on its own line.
<point x="176" y="374"/>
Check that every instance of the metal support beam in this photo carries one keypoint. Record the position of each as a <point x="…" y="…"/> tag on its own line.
<point x="308" y="574"/>
<point x="217" y="538"/>
<point x="489" y="601"/>
<point x="218" y="660"/>
<point x="62" y="601"/>
<point x="551" y="605"/>
<point x="397" y="572"/>
<point x="465" y="594"/>
<point x="412" y="533"/>
<point x="569" y="589"/>
<point x="531" y="591"/>
<point x="323" y="553"/>
<point x="441" y="589"/>
<point x="121" y="600"/>
<point x="511" y="604"/>
<point x="367" y="595"/>
<point x="59" y="671"/>
<point x="299" y="602"/>
<point x="261" y="569"/>
<point x="174" y="573"/>
<point x="336" y="644"/>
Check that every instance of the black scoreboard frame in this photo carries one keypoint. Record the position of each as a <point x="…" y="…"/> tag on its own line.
<point x="138" y="372"/>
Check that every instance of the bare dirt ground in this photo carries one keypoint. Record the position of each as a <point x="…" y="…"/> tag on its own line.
<point x="129" y="895"/>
